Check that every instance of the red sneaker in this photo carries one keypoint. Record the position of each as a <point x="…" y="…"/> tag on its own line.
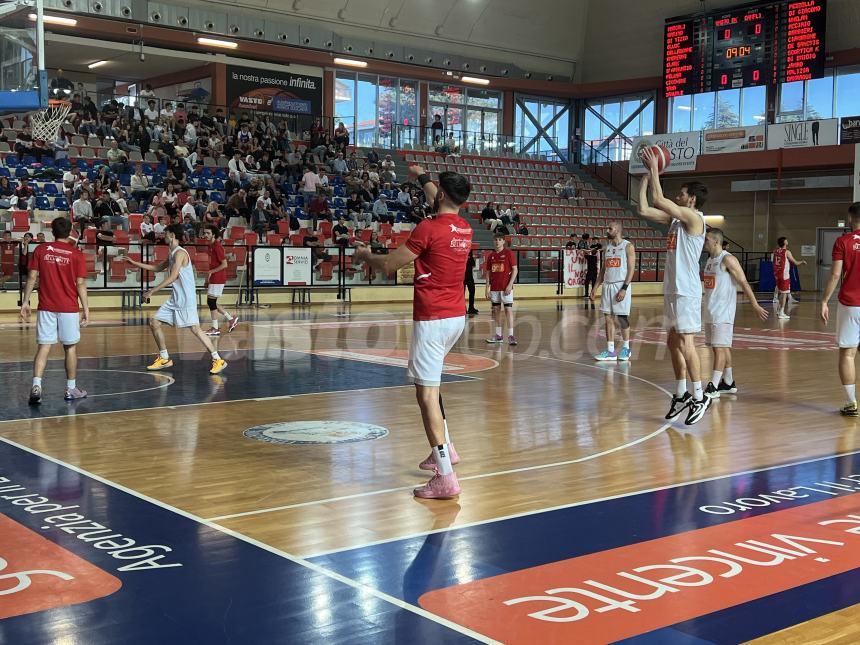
<point x="233" y="322"/>
<point x="430" y="463"/>
<point x="439" y="487"/>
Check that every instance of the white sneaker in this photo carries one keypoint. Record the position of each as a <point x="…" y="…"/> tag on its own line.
<point x="783" y="316"/>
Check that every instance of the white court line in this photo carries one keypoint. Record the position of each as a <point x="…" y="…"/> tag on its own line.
<point x="169" y="381"/>
<point x="287" y="556"/>
<point x="580" y="503"/>
<point x="499" y="473"/>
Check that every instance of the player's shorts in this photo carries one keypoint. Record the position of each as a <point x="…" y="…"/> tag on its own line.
<point x="431" y="342"/>
<point x="719" y="334"/>
<point x="607" y="299"/>
<point x="53" y="327"/>
<point x="783" y="285"/>
<point x="499" y="298"/>
<point x="847" y="326"/>
<point x="682" y="313"/>
<point x="215" y="290"/>
<point x="173" y="315"/>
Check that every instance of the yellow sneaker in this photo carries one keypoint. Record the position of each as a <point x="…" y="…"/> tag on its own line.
<point x="218" y="366"/>
<point x="160" y="364"/>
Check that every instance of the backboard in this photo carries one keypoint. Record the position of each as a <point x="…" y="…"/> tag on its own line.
<point x="23" y="87"/>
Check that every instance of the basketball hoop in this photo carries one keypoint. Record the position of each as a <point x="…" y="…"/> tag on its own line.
<point x="46" y="123"/>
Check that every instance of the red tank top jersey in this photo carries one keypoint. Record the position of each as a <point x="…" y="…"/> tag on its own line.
<point x="7" y="257"/>
<point x="216" y="257"/>
<point x="59" y="266"/>
<point x="442" y="245"/>
<point x="500" y="266"/>
<point x="780" y="264"/>
<point x="847" y="249"/>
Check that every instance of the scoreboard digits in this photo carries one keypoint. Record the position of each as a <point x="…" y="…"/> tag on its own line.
<point x="771" y="42"/>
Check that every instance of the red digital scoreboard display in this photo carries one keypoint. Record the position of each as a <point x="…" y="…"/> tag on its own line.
<point x="773" y="42"/>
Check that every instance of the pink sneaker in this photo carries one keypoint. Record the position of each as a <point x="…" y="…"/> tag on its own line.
<point x="439" y="487"/>
<point x="430" y="463"/>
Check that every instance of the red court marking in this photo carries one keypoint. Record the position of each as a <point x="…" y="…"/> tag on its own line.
<point x="555" y="603"/>
<point x="454" y="363"/>
<point x="747" y="338"/>
<point x="36" y="574"/>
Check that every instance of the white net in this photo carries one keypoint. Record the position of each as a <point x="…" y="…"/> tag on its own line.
<point x="46" y="123"/>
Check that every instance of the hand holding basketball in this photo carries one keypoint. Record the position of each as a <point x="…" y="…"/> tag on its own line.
<point x="656" y="158"/>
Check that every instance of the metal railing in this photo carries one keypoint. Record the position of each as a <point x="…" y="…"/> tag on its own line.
<point x="492" y="144"/>
<point x="598" y="164"/>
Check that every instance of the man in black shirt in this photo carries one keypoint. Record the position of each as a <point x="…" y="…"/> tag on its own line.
<point x="571" y="241"/>
<point x="592" y="257"/>
<point x="340" y="232"/>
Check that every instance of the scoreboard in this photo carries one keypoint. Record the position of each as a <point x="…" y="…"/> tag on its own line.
<point x="769" y="42"/>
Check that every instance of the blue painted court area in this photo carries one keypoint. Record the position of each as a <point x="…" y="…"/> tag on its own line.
<point x="123" y="383"/>
<point x="468" y="561"/>
<point x="145" y="574"/>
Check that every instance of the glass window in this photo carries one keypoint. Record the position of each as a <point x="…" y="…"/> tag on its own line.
<point x="819" y="97"/>
<point x="727" y="111"/>
<point x="592" y="126"/>
<point x="612" y="114"/>
<point x="628" y="107"/>
<point x="446" y="94"/>
<point x="366" y="124"/>
<point x="344" y="101"/>
<point x="682" y="107"/>
<point x="386" y="109"/>
<point x="648" y="119"/>
<point x="848" y="91"/>
<point x="703" y="110"/>
<point x="484" y="98"/>
<point x="754" y="105"/>
<point x="791" y="102"/>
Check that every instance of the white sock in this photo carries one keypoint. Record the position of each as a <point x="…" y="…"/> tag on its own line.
<point x="680" y="388"/>
<point x="715" y="379"/>
<point x="70" y="383"/>
<point x="227" y="316"/>
<point x="163" y="354"/>
<point x="851" y="392"/>
<point x="37" y="381"/>
<point x="443" y="459"/>
<point x="698" y="394"/>
<point x="498" y="331"/>
<point x="215" y="323"/>
<point x="610" y="347"/>
<point x="216" y="356"/>
<point x="447" y="436"/>
<point x="511" y="331"/>
<point x="728" y="377"/>
<point x="626" y="344"/>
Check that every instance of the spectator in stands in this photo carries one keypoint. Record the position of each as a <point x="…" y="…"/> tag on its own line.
<point x="372" y="157"/>
<point x="26" y="196"/>
<point x="318" y="252"/>
<point x="117" y="194"/>
<point x="237" y="205"/>
<point x="309" y="185"/>
<point x="24" y="253"/>
<point x="60" y="146"/>
<point x="140" y="189"/>
<point x="169" y="199"/>
<point x="376" y="246"/>
<point x="388" y="163"/>
<point x="24" y="145"/>
<point x="40" y="238"/>
<point x="437" y="127"/>
<point x="151" y="111"/>
<point x="380" y="211"/>
<point x="167" y="112"/>
<point x="352" y="162"/>
<point x="6" y="192"/>
<point x="237" y="170"/>
<point x="572" y="241"/>
<point x="117" y="158"/>
<point x="373" y="174"/>
<point x="146" y="92"/>
<point x="368" y="188"/>
<point x="89" y="117"/>
<point x="107" y="210"/>
<point x="338" y="166"/>
<point x="584" y="242"/>
<point x="189" y="227"/>
<point x="147" y="231"/>
<point x="489" y="216"/>
<point x="451" y="145"/>
<point x="104" y="238"/>
<point x="403" y="203"/>
<point x="212" y="216"/>
<point x="340" y="232"/>
<point x="156" y="210"/>
<point x="71" y="179"/>
<point x="190" y="135"/>
<point x="7" y="258"/>
<point x="189" y="209"/>
<point x="61" y="87"/>
<point x="341" y="137"/>
<point x="319" y="210"/>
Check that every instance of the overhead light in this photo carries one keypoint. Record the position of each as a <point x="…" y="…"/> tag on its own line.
<point x="475" y="80"/>
<point x="98" y="63"/>
<point x="214" y="42"/>
<point x="350" y="62"/>
<point x="449" y="73"/>
<point x="55" y="20"/>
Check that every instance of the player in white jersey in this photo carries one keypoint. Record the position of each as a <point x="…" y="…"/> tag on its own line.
<point x="180" y="310"/>
<point x="722" y="277"/>
<point x="616" y="272"/>
<point x="682" y="287"/>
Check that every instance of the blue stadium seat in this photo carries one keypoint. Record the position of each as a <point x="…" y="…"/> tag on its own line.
<point x="43" y="204"/>
<point x="125" y="180"/>
<point x="4" y="172"/>
<point x="217" y="196"/>
<point x="60" y="204"/>
<point x="64" y="164"/>
<point x="21" y="172"/>
<point x="338" y="191"/>
<point x="51" y="189"/>
<point x="221" y="173"/>
<point x="339" y="201"/>
<point x="218" y="183"/>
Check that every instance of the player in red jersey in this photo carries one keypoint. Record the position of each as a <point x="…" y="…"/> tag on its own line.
<point x="782" y="261"/>
<point x="60" y="268"/>
<point x="846" y="264"/>
<point x="217" y="278"/>
<point x="501" y="275"/>
<point x="439" y="246"/>
<point x="7" y="258"/>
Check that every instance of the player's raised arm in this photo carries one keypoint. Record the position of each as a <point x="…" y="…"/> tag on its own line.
<point x="685" y="214"/>
<point x="649" y="212"/>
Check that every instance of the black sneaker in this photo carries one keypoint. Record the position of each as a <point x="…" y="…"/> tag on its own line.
<point x="697" y="410"/>
<point x="35" y="395"/>
<point x="849" y="410"/>
<point x="712" y="392"/>
<point x="678" y="405"/>
<point x="725" y="388"/>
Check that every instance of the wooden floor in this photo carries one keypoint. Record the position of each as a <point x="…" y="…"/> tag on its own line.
<point x="541" y="426"/>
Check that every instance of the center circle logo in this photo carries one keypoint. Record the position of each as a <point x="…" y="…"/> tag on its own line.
<point x="316" y="432"/>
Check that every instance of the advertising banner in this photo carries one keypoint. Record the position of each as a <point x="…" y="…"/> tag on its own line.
<point x="297" y="266"/>
<point x="267" y="267"/>
<point x="803" y="134"/>
<point x="265" y="91"/>
<point x="744" y="139"/>
<point x="683" y="146"/>
<point x="574" y="268"/>
<point x="849" y="129"/>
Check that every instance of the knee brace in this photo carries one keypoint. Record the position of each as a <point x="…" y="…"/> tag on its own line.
<point x="508" y="305"/>
<point x="496" y="305"/>
<point x="624" y="322"/>
<point x="212" y="302"/>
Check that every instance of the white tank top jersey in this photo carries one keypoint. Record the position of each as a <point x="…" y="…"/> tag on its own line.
<point x="681" y="276"/>
<point x="185" y="288"/>
<point x="615" y="262"/>
<point x="720" y="292"/>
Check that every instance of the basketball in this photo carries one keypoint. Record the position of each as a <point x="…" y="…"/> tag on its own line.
<point x="664" y="157"/>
